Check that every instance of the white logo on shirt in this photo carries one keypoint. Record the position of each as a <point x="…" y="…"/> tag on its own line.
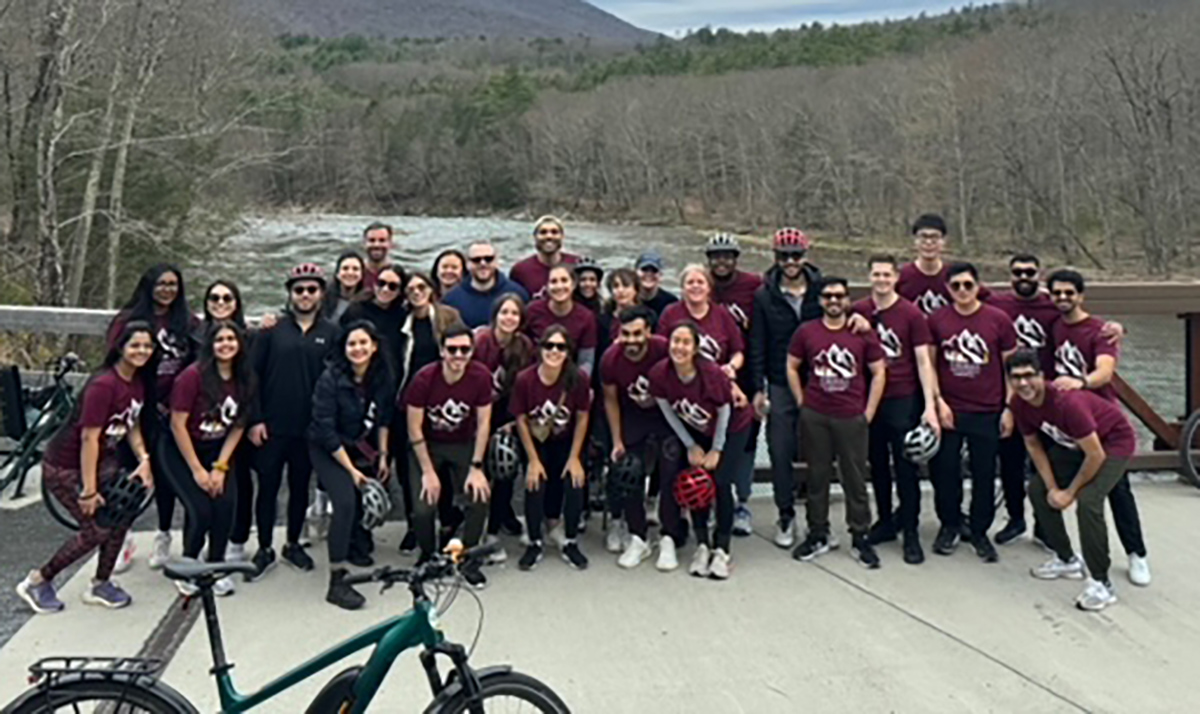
<point x="1069" y="361"/>
<point x="710" y="348"/>
<point x="1058" y="436"/>
<point x="739" y="315"/>
<point x="966" y="353"/>
<point x="835" y="366"/>
<point x="693" y="414"/>
<point x="892" y="346"/>
<point x="1029" y="332"/>
<point x="498" y="378"/>
<point x="551" y="414"/>
<point x="449" y="415"/>
<point x="369" y="418"/>
<point x="931" y="301"/>
<point x="639" y="392"/>
<point x="218" y="420"/>
<point x="120" y="424"/>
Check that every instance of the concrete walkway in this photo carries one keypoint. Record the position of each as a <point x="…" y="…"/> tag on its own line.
<point x="953" y="635"/>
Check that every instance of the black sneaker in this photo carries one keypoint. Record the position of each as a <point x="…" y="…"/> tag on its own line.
<point x="882" y="532"/>
<point x="864" y="552"/>
<point x="532" y="556"/>
<point x="984" y="549"/>
<point x="262" y="561"/>
<point x="573" y="555"/>
<point x="341" y="594"/>
<point x="361" y="560"/>
<point x="814" y="544"/>
<point x="1010" y="532"/>
<point x="964" y="527"/>
<point x="913" y="553"/>
<point x="294" y="555"/>
<point x="947" y="540"/>
<point x="473" y="575"/>
<point x="409" y="544"/>
<point x="512" y="526"/>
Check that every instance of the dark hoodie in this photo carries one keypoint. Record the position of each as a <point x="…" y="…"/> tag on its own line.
<point x="773" y="323"/>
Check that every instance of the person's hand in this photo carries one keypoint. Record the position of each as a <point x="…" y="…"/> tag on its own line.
<point x="431" y="487"/>
<point x="268" y="320"/>
<point x="535" y="474"/>
<point x="382" y="471"/>
<point x="930" y="417"/>
<point x="216" y="483"/>
<point x="695" y="455"/>
<point x="575" y="471"/>
<point x="477" y="486"/>
<point x="258" y="434"/>
<point x="1068" y="384"/>
<point x="945" y="415"/>
<point x="762" y="405"/>
<point x="711" y="460"/>
<point x="1006" y="423"/>
<point x="618" y="450"/>
<point x="869" y="413"/>
<point x="729" y="371"/>
<point x="91" y="504"/>
<point x="1060" y="499"/>
<point x="202" y="480"/>
<point x="143" y="473"/>
<point x="739" y="398"/>
<point x="858" y="324"/>
<point x="1114" y="332"/>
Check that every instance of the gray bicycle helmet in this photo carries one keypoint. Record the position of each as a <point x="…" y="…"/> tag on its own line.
<point x="588" y="264"/>
<point x="723" y="243"/>
<point x="504" y="456"/>
<point x="376" y="504"/>
<point x="921" y="444"/>
<point x="626" y="476"/>
<point x="124" y="500"/>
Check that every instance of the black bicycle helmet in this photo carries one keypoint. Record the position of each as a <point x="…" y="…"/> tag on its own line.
<point x="124" y="500"/>
<point x="626" y="476"/>
<point x="504" y="456"/>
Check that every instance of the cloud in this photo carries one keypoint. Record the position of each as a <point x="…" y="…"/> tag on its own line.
<point x="670" y="16"/>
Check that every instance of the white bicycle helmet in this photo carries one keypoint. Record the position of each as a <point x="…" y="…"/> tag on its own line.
<point x="504" y="456"/>
<point x="723" y="243"/>
<point x="376" y="504"/>
<point x="921" y="444"/>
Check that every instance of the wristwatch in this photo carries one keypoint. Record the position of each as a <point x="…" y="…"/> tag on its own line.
<point x="476" y="464"/>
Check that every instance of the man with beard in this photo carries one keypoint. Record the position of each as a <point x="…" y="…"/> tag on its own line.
<point x="533" y="272"/>
<point x="473" y="297"/>
<point x="1086" y="358"/>
<point x="923" y="281"/>
<point x="377" y="244"/>
<point x="289" y="357"/>
<point x="970" y="341"/>
<point x="649" y="268"/>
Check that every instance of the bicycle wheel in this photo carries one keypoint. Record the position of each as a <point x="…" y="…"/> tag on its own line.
<point x="57" y="510"/>
<point x="507" y="693"/>
<point x="1189" y="449"/>
<point x="99" y="696"/>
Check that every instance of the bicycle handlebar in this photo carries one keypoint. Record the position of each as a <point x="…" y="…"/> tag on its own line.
<point x="437" y="567"/>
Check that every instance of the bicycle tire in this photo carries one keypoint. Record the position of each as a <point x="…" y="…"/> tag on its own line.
<point x="101" y="695"/>
<point x="515" y="687"/>
<point x="57" y="510"/>
<point x="1189" y="457"/>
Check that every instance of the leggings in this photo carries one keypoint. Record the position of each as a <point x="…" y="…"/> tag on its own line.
<point x="275" y="452"/>
<point x="157" y="429"/>
<point x="243" y="514"/>
<point x="732" y="461"/>
<point x="547" y="501"/>
<point x="64" y="485"/>
<point x="346" y="533"/>
<point x="206" y="515"/>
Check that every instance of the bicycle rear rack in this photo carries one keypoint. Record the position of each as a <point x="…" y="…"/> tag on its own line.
<point x="50" y="668"/>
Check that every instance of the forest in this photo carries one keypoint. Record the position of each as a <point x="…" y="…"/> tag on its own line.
<point x="134" y="129"/>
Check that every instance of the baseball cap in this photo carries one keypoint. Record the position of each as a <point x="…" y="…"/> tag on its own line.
<point x="650" y="259"/>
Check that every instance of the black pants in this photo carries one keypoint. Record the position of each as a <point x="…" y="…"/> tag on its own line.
<point x="346" y="533"/>
<point x="1126" y="518"/>
<point x="500" y="509"/>
<point x="207" y="516"/>
<point x="731" y="462"/>
<point x="1014" y="472"/>
<point x="981" y="432"/>
<point x="895" y="418"/>
<point x="243" y="514"/>
<point x="556" y="494"/>
<point x="649" y="446"/>
<point x="452" y="463"/>
<point x="273" y="455"/>
<point x="158" y="429"/>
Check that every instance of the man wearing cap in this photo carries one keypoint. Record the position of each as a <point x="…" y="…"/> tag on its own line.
<point x="474" y="296"/>
<point x="288" y="359"/>
<point x="533" y="272"/>
<point x="649" y="267"/>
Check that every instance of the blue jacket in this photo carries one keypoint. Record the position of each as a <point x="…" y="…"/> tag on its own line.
<point x="476" y="307"/>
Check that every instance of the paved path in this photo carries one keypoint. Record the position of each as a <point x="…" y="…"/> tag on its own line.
<point x="953" y="635"/>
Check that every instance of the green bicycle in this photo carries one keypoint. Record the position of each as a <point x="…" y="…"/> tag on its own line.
<point x="31" y="416"/>
<point x="130" y="685"/>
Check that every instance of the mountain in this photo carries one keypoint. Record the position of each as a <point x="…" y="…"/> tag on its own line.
<point x="525" y="19"/>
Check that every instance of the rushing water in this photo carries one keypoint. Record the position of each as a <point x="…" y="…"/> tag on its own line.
<point x="258" y="257"/>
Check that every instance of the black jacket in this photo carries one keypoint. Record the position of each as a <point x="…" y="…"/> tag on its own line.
<point x="773" y="323"/>
<point x="344" y="413"/>
<point x="288" y="362"/>
<point x="387" y="322"/>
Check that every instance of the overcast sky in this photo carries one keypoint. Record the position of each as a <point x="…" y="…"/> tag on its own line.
<point x="672" y="16"/>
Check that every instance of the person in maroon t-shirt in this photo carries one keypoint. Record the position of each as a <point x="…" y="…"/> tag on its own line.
<point x="720" y="337"/>
<point x="550" y="403"/>
<point x="971" y="340"/>
<point x="377" y="244"/>
<point x="560" y="308"/>
<point x="449" y="411"/>
<point x="81" y="458"/>
<point x="837" y="407"/>
<point x="923" y="281"/>
<point x="697" y="399"/>
<point x="908" y="399"/>
<point x="1081" y="445"/>
<point x="1085" y="357"/>
<point x="634" y="419"/>
<point x="533" y="273"/>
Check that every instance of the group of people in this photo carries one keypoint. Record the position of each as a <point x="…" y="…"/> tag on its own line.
<point x="449" y="389"/>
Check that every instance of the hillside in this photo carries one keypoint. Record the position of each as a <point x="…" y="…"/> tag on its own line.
<point x="524" y="19"/>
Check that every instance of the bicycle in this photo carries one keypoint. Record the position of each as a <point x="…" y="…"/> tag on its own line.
<point x="38" y="413"/>
<point x="129" y="685"/>
<point x="1189" y="449"/>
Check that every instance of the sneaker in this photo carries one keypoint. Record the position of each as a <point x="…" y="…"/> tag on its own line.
<point x="815" y="544"/>
<point x="532" y="556"/>
<point x="473" y="575"/>
<point x="667" y="560"/>
<point x="1010" y="532"/>
<point x="341" y="594"/>
<point x="1096" y="596"/>
<point x="913" y="553"/>
<point x="186" y="589"/>
<point x="742" y="525"/>
<point x="614" y="539"/>
<point x="408" y="545"/>
<point x="864" y="552"/>
<point x="236" y="553"/>
<point x="964" y="527"/>
<point x="1056" y="568"/>
<point x="574" y="556"/>
<point x="882" y="532"/>
<point x="700" y="562"/>
<point x="1139" y="569"/>
<point x="162" y="550"/>
<point x="107" y="594"/>
<point x="652" y="511"/>
<point x="125" y="557"/>
<point x="263" y="561"/>
<point x="720" y="566"/>
<point x="558" y="535"/>
<point x="294" y="555"/>
<point x="41" y="597"/>
<point x="947" y="541"/>
<point x="498" y="556"/>
<point x="785" y="532"/>
<point x="984" y="549"/>
<point x="633" y="556"/>
<point x="358" y="560"/>
<point x="223" y="587"/>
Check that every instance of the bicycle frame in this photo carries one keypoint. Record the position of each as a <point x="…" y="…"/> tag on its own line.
<point x="25" y="455"/>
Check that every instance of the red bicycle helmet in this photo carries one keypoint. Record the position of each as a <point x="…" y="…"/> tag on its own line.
<point x="306" y="271"/>
<point x="695" y="489"/>
<point x="791" y="240"/>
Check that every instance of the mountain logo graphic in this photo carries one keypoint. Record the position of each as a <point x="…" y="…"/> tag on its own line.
<point x="739" y="315"/>
<point x="892" y="346"/>
<point x="693" y="414"/>
<point x="552" y="415"/>
<point x="710" y="348"/>
<point x="170" y="346"/>
<point x="966" y="348"/>
<point x="930" y="302"/>
<point x="836" y="362"/>
<point x="1029" y="332"/>
<point x="498" y="378"/>
<point x="369" y="418"/>
<point x="219" y="419"/>
<point x="1069" y="361"/>
<point x="639" y="392"/>
<point x="449" y="415"/>
<point x="1058" y="436"/>
<point x="120" y="424"/>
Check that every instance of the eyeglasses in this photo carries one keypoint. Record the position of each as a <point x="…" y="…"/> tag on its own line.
<point x="833" y="296"/>
<point x="957" y="285"/>
<point x="554" y="346"/>
<point x="221" y="297"/>
<point x="306" y="290"/>
<point x="387" y="285"/>
<point x="1023" y="377"/>
<point x="792" y="257"/>
<point x="1064" y="293"/>
<point x="481" y="259"/>
<point x="418" y="287"/>
<point x="929" y="237"/>
<point x="1024" y="273"/>
<point x="458" y="350"/>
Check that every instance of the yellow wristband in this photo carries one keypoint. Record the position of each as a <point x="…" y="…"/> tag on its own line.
<point x="220" y="466"/>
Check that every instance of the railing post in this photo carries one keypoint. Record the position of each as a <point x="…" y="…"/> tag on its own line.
<point x="1192" y="361"/>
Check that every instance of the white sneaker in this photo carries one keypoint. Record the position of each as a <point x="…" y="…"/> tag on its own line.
<point x="614" y="539"/>
<point x="1055" y="568"/>
<point x="498" y="557"/>
<point x="1139" y="570"/>
<point x="236" y="553"/>
<point x="558" y="535"/>
<point x="700" y="562"/>
<point x="742" y="525"/>
<point x="634" y="554"/>
<point x="667" y="560"/>
<point x="720" y="566"/>
<point x="125" y="557"/>
<point x="186" y="589"/>
<point x="785" y="533"/>
<point x="162" y="550"/>
<point x="1096" y="596"/>
<point x="223" y="587"/>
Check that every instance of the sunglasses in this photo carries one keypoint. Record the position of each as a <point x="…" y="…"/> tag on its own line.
<point x="1026" y="273"/>
<point x="221" y="297"/>
<point x="1064" y="293"/>
<point x="418" y="287"/>
<point x="833" y="296"/>
<point x="306" y="290"/>
<point x="458" y="350"/>
<point x="793" y="257"/>
<point x="554" y="346"/>
<point x="481" y="259"/>
<point x="957" y="285"/>
<point x="387" y="285"/>
<point x="723" y="255"/>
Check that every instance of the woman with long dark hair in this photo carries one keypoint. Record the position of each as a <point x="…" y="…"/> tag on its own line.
<point x="385" y="310"/>
<point x="82" y="457"/>
<point x="209" y="408"/>
<point x="348" y="285"/>
<point x="560" y="308"/>
<point x="348" y="442"/>
<point x="448" y="269"/>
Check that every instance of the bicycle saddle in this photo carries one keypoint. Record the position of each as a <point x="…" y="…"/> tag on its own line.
<point x="194" y="570"/>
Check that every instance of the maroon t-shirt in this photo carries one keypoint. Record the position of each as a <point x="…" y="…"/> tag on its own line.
<point x="206" y="421"/>
<point x="580" y="323"/>
<point x="697" y="402"/>
<point x="720" y="336"/>
<point x="836" y="364"/>
<point x="172" y="350"/>
<point x="549" y="407"/>
<point x="970" y="357"/>
<point x="928" y="292"/>
<point x="532" y="274"/>
<point x="737" y="296"/>
<point x="490" y="353"/>
<point x="901" y="328"/>
<point x="109" y="403"/>
<point x="1033" y="320"/>
<point x="632" y="380"/>
<point x="1076" y="348"/>
<point x="1067" y="417"/>
<point x="449" y="408"/>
